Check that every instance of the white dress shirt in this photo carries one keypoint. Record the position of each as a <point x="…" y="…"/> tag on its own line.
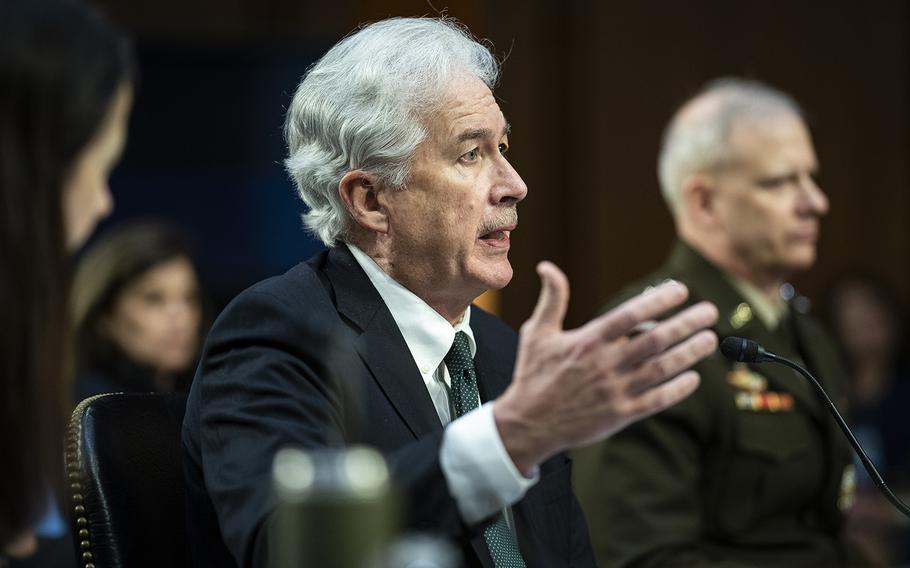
<point x="481" y="476"/>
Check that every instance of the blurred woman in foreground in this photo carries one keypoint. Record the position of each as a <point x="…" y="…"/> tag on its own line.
<point x="65" y="95"/>
<point x="137" y="312"/>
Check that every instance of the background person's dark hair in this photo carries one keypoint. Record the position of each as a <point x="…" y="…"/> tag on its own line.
<point x="113" y="262"/>
<point x="884" y="296"/>
<point x="61" y="64"/>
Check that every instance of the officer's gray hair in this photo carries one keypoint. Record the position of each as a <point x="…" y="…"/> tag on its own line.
<point x="363" y="106"/>
<point x="698" y="142"/>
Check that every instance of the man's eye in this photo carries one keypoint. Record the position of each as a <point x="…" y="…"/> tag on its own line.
<point x="777" y="181"/>
<point x="503" y="148"/>
<point x="470" y="156"/>
<point x="771" y="183"/>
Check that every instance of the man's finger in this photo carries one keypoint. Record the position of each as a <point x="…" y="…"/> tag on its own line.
<point x="656" y="370"/>
<point x="665" y="395"/>
<point x="642" y="308"/>
<point x="553" y="301"/>
<point x="667" y="333"/>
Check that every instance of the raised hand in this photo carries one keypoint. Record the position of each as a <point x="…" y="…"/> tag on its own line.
<point x="574" y="387"/>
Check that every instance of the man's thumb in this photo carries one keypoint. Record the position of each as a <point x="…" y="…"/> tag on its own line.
<point x="554" y="297"/>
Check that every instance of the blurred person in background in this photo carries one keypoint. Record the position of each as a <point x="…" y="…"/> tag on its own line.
<point x="750" y="470"/>
<point x="869" y="325"/>
<point x="65" y="95"/>
<point x="137" y="312"/>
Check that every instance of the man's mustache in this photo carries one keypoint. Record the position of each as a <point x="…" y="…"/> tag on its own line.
<point x="503" y="217"/>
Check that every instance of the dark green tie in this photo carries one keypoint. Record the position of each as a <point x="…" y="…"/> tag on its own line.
<point x="500" y="540"/>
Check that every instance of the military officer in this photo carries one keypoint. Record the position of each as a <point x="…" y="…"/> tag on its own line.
<point x="750" y="470"/>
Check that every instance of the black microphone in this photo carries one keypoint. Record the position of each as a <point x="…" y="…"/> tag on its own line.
<point x="744" y="350"/>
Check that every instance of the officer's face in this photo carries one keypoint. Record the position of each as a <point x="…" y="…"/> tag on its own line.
<point x="768" y="202"/>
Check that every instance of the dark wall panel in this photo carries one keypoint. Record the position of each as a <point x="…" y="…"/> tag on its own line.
<point x="587" y="86"/>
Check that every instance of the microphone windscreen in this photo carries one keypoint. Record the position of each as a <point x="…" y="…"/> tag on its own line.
<point x="740" y="349"/>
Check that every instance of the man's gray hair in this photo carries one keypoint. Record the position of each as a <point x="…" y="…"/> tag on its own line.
<point x="363" y="106"/>
<point x="696" y="140"/>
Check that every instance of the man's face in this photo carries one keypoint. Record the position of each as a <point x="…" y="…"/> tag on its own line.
<point x="768" y="202"/>
<point x="449" y="228"/>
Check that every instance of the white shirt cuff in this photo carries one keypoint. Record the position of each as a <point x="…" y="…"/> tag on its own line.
<point x="482" y="477"/>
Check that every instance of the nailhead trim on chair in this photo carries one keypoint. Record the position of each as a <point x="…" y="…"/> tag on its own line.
<point x="74" y="469"/>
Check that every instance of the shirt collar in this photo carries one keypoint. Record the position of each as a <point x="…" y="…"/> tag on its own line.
<point x="770" y="313"/>
<point x="429" y="336"/>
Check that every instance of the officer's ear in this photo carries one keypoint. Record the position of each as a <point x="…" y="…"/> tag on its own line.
<point x="698" y="200"/>
<point x="359" y="192"/>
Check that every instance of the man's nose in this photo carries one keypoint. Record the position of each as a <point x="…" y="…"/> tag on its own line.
<point x="508" y="187"/>
<point x="813" y="197"/>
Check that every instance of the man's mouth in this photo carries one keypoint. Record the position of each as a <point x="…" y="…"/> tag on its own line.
<point x="497" y="237"/>
<point x="497" y="229"/>
<point x="806" y="235"/>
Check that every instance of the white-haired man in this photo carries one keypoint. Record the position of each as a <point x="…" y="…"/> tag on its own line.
<point x="750" y="470"/>
<point x="397" y="147"/>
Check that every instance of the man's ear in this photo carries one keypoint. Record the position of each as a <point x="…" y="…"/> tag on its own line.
<point x="359" y="192"/>
<point x="698" y="200"/>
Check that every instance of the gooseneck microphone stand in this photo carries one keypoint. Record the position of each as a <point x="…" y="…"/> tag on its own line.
<point x="744" y="350"/>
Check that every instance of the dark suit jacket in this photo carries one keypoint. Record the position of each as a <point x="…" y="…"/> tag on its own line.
<point x="715" y="481"/>
<point x="313" y="358"/>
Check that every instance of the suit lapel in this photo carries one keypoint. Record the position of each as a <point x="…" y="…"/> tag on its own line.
<point x="380" y="343"/>
<point x="494" y="370"/>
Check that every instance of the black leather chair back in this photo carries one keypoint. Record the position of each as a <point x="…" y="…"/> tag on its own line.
<point x="125" y="479"/>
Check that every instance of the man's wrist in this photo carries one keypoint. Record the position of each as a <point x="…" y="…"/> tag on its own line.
<point x="481" y="475"/>
<point x="526" y="449"/>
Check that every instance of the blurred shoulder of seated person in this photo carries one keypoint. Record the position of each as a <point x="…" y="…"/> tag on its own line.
<point x="137" y="312"/>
